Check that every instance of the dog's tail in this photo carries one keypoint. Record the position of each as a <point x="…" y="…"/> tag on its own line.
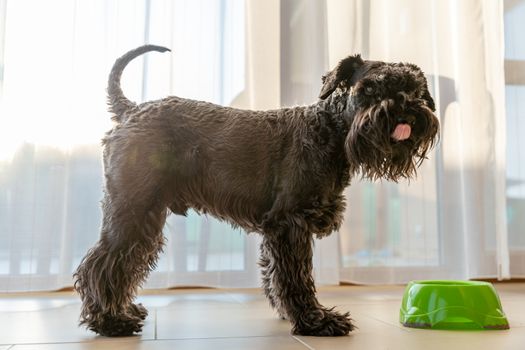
<point x="118" y="103"/>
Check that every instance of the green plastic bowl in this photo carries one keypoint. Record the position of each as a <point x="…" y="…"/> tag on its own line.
<point x="452" y="305"/>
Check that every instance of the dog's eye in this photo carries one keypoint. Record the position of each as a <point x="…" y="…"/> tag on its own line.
<point x="369" y="90"/>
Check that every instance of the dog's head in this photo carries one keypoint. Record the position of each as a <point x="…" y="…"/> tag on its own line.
<point x="391" y="118"/>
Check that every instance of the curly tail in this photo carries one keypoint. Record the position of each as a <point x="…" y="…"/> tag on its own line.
<point x="118" y="103"/>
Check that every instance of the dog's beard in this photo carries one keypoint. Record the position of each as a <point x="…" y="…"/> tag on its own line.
<point x="372" y="149"/>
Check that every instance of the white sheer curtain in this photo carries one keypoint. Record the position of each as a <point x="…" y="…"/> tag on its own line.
<point x="449" y="223"/>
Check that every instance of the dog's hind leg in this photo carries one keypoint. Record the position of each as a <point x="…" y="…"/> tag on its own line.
<point x="109" y="275"/>
<point x="134" y="213"/>
<point x="289" y="272"/>
<point x="267" y="268"/>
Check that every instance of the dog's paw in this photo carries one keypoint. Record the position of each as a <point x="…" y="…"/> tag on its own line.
<point x="323" y="323"/>
<point x="117" y="326"/>
<point x="121" y="325"/>
<point x="138" y="310"/>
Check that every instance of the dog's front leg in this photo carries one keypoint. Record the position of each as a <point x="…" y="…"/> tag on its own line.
<point x="289" y="249"/>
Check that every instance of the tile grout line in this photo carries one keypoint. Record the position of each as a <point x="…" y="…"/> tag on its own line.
<point x="302" y="342"/>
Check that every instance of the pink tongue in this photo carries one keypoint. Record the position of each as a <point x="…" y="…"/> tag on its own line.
<point x="401" y="132"/>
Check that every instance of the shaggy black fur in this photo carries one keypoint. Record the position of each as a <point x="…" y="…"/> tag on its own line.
<point x="280" y="173"/>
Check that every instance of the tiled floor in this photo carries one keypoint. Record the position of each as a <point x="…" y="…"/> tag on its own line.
<point x="241" y="319"/>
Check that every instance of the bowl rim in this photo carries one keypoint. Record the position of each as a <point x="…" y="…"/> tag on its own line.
<point x="449" y="283"/>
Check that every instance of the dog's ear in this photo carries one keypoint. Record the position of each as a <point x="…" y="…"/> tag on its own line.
<point x="430" y="101"/>
<point x="426" y="96"/>
<point x="342" y="73"/>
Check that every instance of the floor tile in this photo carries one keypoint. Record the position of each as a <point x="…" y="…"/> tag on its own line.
<point x="31" y="303"/>
<point x="515" y="311"/>
<point x="361" y="294"/>
<point x="463" y="340"/>
<point x="252" y="343"/>
<point x="248" y="296"/>
<point x="386" y="311"/>
<point x="511" y="291"/>
<point x="188" y="299"/>
<point x="342" y="294"/>
<point x="370" y="334"/>
<point x="53" y="325"/>
<point x="376" y="335"/>
<point x="183" y="321"/>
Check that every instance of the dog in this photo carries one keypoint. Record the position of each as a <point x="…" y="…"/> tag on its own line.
<point x="280" y="173"/>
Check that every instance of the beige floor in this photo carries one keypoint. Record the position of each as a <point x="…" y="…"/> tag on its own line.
<point x="241" y="319"/>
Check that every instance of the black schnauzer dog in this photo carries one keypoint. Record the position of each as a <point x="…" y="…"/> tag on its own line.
<point x="280" y="173"/>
